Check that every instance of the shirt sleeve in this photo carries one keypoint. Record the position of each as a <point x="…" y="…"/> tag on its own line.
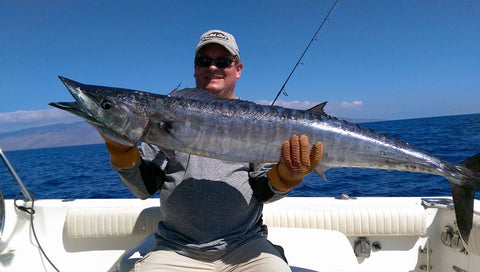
<point x="147" y="175"/>
<point x="260" y="183"/>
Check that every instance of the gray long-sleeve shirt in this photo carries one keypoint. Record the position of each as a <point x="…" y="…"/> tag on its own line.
<point x="208" y="206"/>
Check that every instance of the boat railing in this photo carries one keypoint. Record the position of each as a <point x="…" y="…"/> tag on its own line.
<point x="2" y="215"/>
<point x="20" y="184"/>
<point x="12" y="171"/>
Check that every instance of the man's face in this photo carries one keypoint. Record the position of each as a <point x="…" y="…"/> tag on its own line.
<point x="218" y="81"/>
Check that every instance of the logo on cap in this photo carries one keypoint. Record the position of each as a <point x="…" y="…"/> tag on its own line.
<point x="215" y="35"/>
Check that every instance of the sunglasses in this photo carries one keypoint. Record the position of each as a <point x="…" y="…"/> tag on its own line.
<point x="221" y="62"/>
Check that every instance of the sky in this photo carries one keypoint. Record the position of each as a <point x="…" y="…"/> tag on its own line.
<point x="381" y="60"/>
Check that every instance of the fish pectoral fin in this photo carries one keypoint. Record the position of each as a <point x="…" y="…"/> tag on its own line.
<point x="321" y="171"/>
<point x="167" y="127"/>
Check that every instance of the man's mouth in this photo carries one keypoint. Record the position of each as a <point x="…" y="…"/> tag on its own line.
<point x="215" y="77"/>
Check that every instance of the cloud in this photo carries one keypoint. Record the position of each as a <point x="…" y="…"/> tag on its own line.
<point x="300" y="105"/>
<point x="333" y="108"/>
<point x="355" y="105"/>
<point x="10" y="121"/>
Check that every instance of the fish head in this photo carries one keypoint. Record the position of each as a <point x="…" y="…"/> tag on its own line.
<point x="116" y="113"/>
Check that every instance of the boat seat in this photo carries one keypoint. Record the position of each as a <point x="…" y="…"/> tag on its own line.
<point x="366" y="218"/>
<point x="111" y="222"/>
<point x="322" y="227"/>
<point x="324" y="250"/>
<point x="348" y="217"/>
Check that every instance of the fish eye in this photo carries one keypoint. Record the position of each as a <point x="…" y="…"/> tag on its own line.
<point x="106" y="105"/>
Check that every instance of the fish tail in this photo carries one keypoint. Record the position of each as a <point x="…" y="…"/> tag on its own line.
<point x="463" y="198"/>
<point x="463" y="195"/>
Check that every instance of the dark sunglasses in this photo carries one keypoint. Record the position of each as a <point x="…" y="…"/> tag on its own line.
<point x="221" y="62"/>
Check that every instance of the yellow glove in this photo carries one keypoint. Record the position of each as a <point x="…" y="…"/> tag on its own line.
<point x="296" y="162"/>
<point x="121" y="156"/>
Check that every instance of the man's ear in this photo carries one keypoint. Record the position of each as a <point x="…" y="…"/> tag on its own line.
<point x="239" y="68"/>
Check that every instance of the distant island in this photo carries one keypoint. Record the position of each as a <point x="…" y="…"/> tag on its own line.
<point x="78" y="133"/>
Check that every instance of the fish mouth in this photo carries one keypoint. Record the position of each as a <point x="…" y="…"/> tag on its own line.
<point x="75" y="107"/>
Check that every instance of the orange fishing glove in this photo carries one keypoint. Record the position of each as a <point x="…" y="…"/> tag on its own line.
<point x="296" y="162"/>
<point x="121" y="156"/>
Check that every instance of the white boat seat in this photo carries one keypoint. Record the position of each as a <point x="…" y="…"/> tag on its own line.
<point x="325" y="250"/>
<point x="321" y="227"/>
<point x="111" y="222"/>
<point x="348" y="217"/>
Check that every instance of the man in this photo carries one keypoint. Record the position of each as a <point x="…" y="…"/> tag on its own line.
<point x="212" y="209"/>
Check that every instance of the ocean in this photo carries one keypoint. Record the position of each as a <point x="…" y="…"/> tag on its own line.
<point x="80" y="172"/>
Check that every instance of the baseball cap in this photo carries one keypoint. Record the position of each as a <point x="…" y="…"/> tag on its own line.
<point x="220" y="37"/>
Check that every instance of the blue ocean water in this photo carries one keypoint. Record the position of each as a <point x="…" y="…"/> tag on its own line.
<point x="85" y="171"/>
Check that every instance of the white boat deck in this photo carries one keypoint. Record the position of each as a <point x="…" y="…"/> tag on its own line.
<point x="318" y="234"/>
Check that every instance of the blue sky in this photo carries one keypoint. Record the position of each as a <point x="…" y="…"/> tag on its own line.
<point x="373" y="59"/>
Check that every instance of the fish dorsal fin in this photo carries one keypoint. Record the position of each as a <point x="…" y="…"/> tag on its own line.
<point x="193" y="93"/>
<point x="318" y="109"/>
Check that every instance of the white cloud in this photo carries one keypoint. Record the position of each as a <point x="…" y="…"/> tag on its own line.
<point x="300" y="105"/>
<point x="356" y="105"/>
<point x="343" y="108"/>
<point x="10" y="121"/>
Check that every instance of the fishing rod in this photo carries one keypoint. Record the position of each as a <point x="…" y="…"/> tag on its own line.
<point x="305" y="51"/>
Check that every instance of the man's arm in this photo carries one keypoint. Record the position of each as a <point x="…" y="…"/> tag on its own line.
<point x="140" y="169"/>
<point x="260" y="183"/>
<point x="143" y="179"/>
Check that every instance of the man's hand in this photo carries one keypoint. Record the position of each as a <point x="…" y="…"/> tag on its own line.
<point x="121" y="156"/>
<point x="296" y="162"/>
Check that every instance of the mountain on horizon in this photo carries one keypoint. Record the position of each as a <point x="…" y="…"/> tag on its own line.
<point x="57" y="135"/>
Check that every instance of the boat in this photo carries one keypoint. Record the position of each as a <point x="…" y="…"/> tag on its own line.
<point x="317" y="233"/>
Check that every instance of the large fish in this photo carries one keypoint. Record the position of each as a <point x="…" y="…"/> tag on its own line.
<point x="196" y="122"/>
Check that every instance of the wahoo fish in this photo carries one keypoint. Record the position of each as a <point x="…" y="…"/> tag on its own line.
<point x="196" y="122"/>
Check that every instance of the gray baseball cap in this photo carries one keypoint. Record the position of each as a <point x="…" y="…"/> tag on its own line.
<point x="220" y="37"/>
